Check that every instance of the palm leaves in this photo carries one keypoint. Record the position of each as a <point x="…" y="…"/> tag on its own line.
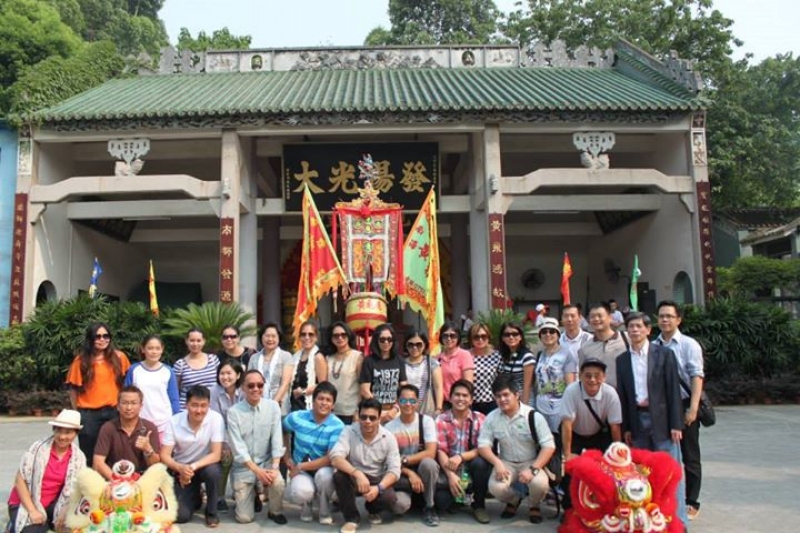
<point x="209" y="318"/>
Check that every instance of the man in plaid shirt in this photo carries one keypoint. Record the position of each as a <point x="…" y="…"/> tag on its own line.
<point x="458" y="430"/>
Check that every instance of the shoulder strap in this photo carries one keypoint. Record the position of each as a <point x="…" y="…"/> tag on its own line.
<point x="532" y="426"/>
<point x="420" y="416"/>
<point x="625" y="340"/>
<point x="591" y="410"/>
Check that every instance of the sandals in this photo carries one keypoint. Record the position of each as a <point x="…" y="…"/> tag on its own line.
<point x="535" y="515"/>
<point x="511" y="510"/>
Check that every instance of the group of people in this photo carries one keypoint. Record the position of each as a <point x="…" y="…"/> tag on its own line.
<point x="398" y="427"/>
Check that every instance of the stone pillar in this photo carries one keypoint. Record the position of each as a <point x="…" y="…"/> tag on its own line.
<point x="459" y="264"/>
<point x="271" y="269"/>
<point x="230" y="223"/>
<point x="478" y="226"/>
<point x="705" y="285"/>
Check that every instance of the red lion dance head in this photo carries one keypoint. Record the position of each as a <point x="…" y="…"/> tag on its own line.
<point x="623" y="491"/>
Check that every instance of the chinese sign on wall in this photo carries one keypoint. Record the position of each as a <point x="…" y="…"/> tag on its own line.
<point x="706" y="242"/>
<point x="18" y="258"/>
<point x="406" y="172"/>
<point x="497" y="262"/>
<point x="226" y="273"/>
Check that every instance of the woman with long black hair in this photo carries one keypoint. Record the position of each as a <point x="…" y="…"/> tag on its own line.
<point x="383" y="372"/>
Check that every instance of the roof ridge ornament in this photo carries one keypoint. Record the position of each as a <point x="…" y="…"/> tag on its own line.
<point x="593" y="145"/>
<point x="557" y="55"/>
<point x="681" y="71"/>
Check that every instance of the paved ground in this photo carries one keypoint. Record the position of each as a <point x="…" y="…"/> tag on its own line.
<point x="752" y="478"/>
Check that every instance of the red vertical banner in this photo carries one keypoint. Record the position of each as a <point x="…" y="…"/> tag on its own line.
<point x="497" y="262"/>
<point x="706" y="242"/>
<point x="226" y="252"/>
<point x="18" y="258"/>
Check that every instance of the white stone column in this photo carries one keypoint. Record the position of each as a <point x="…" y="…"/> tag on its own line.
<point x="233" y="158"/>
<point x="705" y="280"/>
<point x="248" y="234"/>
<point x="478" y="228"/>
<point x="459" y="264"/>
<point x="271" y="269"/>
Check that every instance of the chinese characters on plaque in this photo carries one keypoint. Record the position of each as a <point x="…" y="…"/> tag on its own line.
<point x="706" y="243"/>
<point x="497" y="262"/>
<point x="226" y="253"/>
<point x="18" y="258"/>
<point x="406" y="172"/>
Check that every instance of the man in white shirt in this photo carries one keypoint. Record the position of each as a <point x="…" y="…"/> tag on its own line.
<point x="520" y="460"/>
<point x="690" y="370"/>
<point x="255" y="436"/>
<point x="192" y="450"/>
<point x="573" y="337"/>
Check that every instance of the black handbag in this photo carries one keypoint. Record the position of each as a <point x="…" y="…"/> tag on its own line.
<point x="705" y="411"/>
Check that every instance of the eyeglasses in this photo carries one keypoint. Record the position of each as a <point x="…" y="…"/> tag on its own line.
<point x="229" y="337"/>
<point x="385" y="340"/>
<point x="548" y="332"/>
<point x="415" y="345"/>
<point x="509" y="334"/>
<point x="307" y="334"/>
<point x="480" y="337"/>
<point x="252" y="386"/>
<point x="449" y="335"/>
<point x="407" y="401"/>
<point x="339" y="335"/>
<point x="104" y="336"/>
<point x="368" y="418"/>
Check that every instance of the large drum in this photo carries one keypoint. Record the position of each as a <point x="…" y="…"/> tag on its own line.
<point x="365" y="310"/>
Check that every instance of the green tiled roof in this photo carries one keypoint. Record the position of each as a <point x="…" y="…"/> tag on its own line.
<point x="368" y="91"/>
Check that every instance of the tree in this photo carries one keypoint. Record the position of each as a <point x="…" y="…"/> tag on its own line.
<point x="219" y="40"/>
<point x="691" y="27"/>
<point x="30" y="31"/>
<point x="57" y="78"/>
<point x="438" y="22"/>
<point x="133" y="26"/>
<point x="754" y="134"/>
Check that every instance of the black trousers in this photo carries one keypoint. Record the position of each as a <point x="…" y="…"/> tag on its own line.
<point x="33" y="528"/>
<point x="190" y="497"/>
<point x="599" y="441"/>
<point x="347" y="492"/>
<point x="692" y="467"/>
<point x="479" y="471"/>
<point x="93" y="420"/>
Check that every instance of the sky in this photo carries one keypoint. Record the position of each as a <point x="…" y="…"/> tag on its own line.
<point x="767" y="27"/>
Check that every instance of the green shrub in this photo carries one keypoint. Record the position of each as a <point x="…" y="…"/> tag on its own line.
<point x="16" y="363"/>
<point x="209" y="318"/>
<point x="758" y="276"/>
<point x="744" y="339"/>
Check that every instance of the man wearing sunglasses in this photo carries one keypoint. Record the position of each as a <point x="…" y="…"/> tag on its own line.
<point x="417" y="441"/>
<point x="256" y="441"/>
<point x="367" y="463"/>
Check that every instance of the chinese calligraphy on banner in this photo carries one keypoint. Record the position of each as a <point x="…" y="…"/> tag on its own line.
<point x="497" y="262"/>
<point x="226" y="264"/>
<point x="18" y="258"/>
<point x="406" y="172"/>
<point x="706" y="242"/>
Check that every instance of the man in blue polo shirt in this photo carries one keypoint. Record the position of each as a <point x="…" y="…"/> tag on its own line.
<point x="315" y="433"/>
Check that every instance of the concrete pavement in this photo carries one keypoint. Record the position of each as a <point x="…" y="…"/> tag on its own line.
<point x="751" y="480"/>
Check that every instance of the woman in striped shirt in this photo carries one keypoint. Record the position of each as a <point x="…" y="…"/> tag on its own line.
<point x="197" y="368"/>
<point x="516" y="359"/>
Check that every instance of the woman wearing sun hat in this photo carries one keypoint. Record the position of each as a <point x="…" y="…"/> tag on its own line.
<point x="46" y="476"/>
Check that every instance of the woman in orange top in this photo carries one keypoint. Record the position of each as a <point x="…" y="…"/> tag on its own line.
<point x="95" y="378"/>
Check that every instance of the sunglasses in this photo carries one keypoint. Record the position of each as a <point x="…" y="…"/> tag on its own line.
<point x="308" y="334"/>
<point x="510" y="334"/>
<point x="415" y="345"/>
<point x="449" y="335"/>
<point x="339" y="335"/>
<point x="104" y="336"/>
<point x="368" y="418"/>
<point x="229" y="337"/>
<point x="548" y="332"/>
<point x="480" y="337"/>
<point x="252" y="386"/>
<point x="385" y="340"/>
<point x="407" y="401"/>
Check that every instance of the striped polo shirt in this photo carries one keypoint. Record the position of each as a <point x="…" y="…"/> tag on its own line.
<point x="312" y="440"/>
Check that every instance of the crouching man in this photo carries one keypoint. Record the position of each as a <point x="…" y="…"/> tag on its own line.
<point x="367" y="463"/>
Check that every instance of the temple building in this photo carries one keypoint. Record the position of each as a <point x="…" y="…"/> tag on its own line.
<point x="534" y="151"/>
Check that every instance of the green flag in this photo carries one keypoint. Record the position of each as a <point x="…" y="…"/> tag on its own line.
<point x="634" y="284"/>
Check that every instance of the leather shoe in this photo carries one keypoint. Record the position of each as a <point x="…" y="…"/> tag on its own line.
<point x="279" y="518"/>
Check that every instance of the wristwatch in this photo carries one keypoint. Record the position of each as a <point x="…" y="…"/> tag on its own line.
<point x="404" y="460"/>
<point x="380" y="489"/>
<point x="535" y="471"/>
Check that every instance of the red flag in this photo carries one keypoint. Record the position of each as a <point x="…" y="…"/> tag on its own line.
<point x="566" y="273"/>
<point x="320" y="271"/>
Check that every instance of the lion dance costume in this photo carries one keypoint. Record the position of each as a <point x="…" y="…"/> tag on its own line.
<point x="623" y="491"/>
<point x="127" y="503"/>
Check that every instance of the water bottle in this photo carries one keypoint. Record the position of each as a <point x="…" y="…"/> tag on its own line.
<point x="464" y="482"/>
